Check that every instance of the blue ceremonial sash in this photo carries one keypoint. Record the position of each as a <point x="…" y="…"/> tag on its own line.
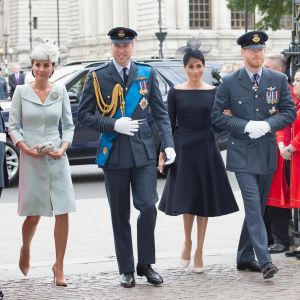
<point x="131" y="101"/>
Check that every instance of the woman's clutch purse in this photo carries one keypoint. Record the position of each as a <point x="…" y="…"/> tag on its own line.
<point x="44" y="147"/>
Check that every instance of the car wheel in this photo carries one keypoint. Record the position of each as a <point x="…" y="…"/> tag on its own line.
<point x="12" y="161"/>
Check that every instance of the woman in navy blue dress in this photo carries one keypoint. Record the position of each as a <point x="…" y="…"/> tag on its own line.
<point x="197" y="185"/>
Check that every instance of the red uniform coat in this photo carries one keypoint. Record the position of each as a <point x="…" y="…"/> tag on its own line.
<point x="280" y="194"/>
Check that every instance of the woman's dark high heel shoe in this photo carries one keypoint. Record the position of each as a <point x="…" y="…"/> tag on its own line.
<point x="58" y="282"/>
<point x="24" y="264"/>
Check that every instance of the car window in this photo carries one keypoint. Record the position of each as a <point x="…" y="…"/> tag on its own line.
<point x="174" y="74"/>
<point x="75" y="87"/>
<point x="163" y="87"/>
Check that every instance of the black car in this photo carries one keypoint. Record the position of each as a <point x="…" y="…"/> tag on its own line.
<point x="83" y="150"/>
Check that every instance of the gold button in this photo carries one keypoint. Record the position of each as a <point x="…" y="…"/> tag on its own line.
<point x="257" y="109"/>
<point x="232" y="143"/>
<point x="256" y="96"/>
<point x="240" y="102"/>
<point x="126" y="88"/>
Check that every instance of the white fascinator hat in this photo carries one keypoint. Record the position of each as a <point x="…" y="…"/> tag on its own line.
<point x="46" y="50"/>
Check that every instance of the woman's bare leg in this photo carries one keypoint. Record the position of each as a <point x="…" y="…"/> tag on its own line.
<point x="201" y="230"/>
<point x="188" y="221"/>
<point x="61" y="232"/>
<point x="28" y="231"/>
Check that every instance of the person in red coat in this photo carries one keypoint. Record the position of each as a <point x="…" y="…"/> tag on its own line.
<point x="285" y="190"/>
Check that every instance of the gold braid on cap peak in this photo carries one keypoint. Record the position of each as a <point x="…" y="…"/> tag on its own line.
<point x="117" y="96"/>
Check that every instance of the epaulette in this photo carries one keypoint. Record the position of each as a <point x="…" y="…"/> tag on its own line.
<point x="104" y="65"/>
<point x="143" y="64"/>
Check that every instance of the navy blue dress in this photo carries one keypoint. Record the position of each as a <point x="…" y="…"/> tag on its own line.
<point x="197" y="182"/>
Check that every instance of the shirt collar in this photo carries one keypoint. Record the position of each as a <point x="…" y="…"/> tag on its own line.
<point x="120" y="68"/>
<point x="250" y="74"/>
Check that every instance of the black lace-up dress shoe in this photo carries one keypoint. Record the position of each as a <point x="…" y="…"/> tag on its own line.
<point x="268" y="270"/>
<point x="251" y="265"/>
<point x="127" y="280"/>
<point x="152" y="276"/>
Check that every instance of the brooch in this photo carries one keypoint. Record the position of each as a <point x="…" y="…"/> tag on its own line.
<point x="272" y="96"/>
<point x="143" y="103"/>
<point x="54" y="96"/>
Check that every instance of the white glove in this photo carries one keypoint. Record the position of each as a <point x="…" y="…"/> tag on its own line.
<point x="256" y="129"/>
<point x="127" y="126"/>
<point x="281" y="147"/>
<point x="171" y="155"/>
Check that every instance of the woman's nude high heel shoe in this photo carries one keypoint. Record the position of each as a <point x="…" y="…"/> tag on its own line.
<point x="198" y="269"/>
<point x="185" y="262"/>
<point x="55" y="280"/>
<point x="24" y="262"/>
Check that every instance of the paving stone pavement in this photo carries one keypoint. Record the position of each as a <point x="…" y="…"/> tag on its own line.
<point x="217" y="282"/>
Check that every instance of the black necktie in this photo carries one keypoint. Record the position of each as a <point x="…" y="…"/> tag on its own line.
<point x="255" y="79"/>
<point x="125" y="76"/>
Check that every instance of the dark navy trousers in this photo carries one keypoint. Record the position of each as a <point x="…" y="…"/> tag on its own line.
<point x="142" y="181"/>
<point x="253" y="239"/>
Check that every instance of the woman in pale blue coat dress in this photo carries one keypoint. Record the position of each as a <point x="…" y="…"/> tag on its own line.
<point x="45" y="185"/>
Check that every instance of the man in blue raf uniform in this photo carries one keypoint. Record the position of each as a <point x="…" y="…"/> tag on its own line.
<point x="252" y="104"/>
<point x="120" y="100"/>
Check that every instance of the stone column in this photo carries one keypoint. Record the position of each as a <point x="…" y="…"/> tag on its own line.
<point x="221" y="15"/>
<point x="105" y="16"/>
<point x="88" y="17"/>
<point x="182" y="14"/>
<point x="132" y="14"/>
<point x="120" y="13"/>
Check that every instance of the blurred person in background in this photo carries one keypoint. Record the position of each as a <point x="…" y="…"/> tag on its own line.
<point x="17" y="77"/>
<point x="3" y="87"/>
<point x="277" y="218"/>
<point x="285" y="189"/>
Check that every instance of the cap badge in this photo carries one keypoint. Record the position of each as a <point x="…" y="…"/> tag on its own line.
<point x="121" y="33"/>
<point x="255" y="38"/>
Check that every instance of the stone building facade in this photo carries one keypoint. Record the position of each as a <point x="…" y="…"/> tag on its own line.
<point x="82" y="26"/>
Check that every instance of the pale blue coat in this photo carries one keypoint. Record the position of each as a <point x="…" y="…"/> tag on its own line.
<point x="45" y="185"/>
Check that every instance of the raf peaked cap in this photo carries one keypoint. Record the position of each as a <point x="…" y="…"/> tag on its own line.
<point x="253" y="39"/>
<point x="122" y="35"/>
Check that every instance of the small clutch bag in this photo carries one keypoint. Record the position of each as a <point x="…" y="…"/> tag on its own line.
<point x="45" y="147"/>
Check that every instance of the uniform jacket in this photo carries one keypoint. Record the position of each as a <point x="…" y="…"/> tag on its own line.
<point x="127" y="151"/>
<point x="45" y="185"/>
<point x="280" y="194"/>
<point x="13" y="82"/>
<point x="257" y="156"/>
